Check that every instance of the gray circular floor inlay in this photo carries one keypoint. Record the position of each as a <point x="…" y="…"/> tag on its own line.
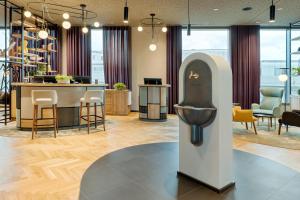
<point x="149" y="172"/>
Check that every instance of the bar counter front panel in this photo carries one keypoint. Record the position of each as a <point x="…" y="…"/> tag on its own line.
<point x="68" y="103"/>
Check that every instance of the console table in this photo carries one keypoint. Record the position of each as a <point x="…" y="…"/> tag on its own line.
<point x="153" y="102"/>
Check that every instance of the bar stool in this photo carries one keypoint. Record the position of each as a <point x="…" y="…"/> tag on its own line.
<point x="92" y="97"/>
<point x="44" y="98"/>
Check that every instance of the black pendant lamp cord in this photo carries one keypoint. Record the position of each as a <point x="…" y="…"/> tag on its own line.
<point x="189" y="12"/>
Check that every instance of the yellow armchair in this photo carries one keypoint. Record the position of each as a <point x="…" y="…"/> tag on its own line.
<point x="240" y="115"/>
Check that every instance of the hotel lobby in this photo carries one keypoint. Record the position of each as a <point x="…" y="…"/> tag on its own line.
<point x="150" y="100"/>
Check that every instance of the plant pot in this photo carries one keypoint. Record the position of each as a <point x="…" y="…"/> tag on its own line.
<point x="63" y="81"/>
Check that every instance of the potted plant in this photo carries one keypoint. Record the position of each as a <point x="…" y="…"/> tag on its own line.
<point x="63" y="79"/>
<point x="119" y="86"/>
<point x="296" y="71"/>
<point x="41" y="69"/>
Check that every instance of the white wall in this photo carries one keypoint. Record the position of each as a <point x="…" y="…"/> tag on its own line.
<point x="145" y="63"/>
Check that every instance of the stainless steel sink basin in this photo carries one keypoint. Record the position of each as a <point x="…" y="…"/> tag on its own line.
<point x="197" y="118"/>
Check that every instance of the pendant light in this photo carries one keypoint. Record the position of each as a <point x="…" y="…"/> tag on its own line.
<point x="27" y="13"/>
<point x="152" y="46"/>
<point x="83" y="15"/>
<point x="272" y="12"/>
<point x="43" y="34"/>
<point x="189" y="21"/>
<point x="126" y="12"/>
<point x="66" y="25"/>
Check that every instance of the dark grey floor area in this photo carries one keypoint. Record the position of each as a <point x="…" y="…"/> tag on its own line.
<point x="149" y="172"/>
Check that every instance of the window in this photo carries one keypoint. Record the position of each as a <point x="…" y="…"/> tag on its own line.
<point x="212" y="41"/>
<point x="272" y="57"/>
<point x="295" y="61"/>
<point x="97" y="55"/>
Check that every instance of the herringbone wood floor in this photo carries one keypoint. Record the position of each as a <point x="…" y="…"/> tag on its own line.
<point x="48" y="168"/>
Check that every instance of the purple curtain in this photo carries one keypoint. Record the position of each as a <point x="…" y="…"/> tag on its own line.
<point x="245" y="63"/>
<point x="117" y="55"/>
<point x="78" y="52"/>
<point x="174" y="59"/>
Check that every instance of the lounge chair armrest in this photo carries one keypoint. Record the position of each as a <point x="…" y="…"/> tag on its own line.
<point x="255" y="106"/>
<point x="277" y="111"/>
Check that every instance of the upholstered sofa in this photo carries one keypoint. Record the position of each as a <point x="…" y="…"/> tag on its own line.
<point x="271" y="102"/>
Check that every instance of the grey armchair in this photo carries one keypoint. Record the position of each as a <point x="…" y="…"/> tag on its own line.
<point x="271" y="102"/>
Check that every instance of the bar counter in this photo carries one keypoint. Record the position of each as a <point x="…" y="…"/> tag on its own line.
<point x="68" y="102"/>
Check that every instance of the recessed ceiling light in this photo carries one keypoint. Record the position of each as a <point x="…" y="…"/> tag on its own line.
<point x="257" y="22"/>
<point x="280" y="8"/>
<point x="247" y="8"/>
<point x="216" y="9"/>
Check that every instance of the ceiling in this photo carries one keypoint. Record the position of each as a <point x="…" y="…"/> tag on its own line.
<point x="110" y="12"/>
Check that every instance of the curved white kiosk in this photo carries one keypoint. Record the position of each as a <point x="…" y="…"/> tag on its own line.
<point x="205" y="127"/>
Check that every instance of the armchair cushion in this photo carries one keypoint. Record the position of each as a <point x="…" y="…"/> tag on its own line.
<point x="262" y="111"/>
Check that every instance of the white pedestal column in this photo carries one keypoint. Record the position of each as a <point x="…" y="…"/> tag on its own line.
<point x="210" y="163"/>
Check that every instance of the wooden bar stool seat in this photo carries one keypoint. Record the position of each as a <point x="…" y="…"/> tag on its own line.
<point x="95" y="98"/>
<point x="42" y="98"/>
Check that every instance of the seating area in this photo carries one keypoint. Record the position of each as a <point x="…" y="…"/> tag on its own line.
<point x="149" y="100"/>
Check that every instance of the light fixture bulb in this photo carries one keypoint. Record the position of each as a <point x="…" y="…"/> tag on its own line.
<point x="283" y="77"/>
<point x="85" y="29"/>
<point x="125" y="21"/>
<point x="164" y="29"/>
<point x="66" y="24"/>
<point x="43" y="34"/>
<point x="66" y="16"/>
<point x="152" y="47"/>
<point x="27" y="13"/>
<point x="140" y="28"/>
<point x="96" y="24"/>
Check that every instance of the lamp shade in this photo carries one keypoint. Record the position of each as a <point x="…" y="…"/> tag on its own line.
<point x="283" y="77"/>
<point x="43" y="34"/>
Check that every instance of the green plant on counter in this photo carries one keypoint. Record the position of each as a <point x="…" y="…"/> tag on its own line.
<point x="60" y="77"/>
<point x="41" y="69"/>
<point x="296" y="71"/>
<point x="298" y="91"/>
<point x="120" y="86"/>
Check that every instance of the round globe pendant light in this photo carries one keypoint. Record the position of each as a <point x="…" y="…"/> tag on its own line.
<point x="85" y="29"/>
<point x="283" y="77"/>
<point x="140" y="28"/>
<point x="66" y="16"/>
<point x="164" y="29"/>
<point x="27" y="13"/>
<point x="66" y="24"/>
<point x="43" y="34"/>
<point x="96" y="24"/>
<point x="152" y="47"/>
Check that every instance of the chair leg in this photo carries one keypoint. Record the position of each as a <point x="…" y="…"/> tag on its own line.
<point x="103" y="116"/>
<point x="36" y="119"/>
<point x="254" y="128"/>
<point x="95" y="114"/>
<point x="88" y="117"/>
<point x="54" y="120"/>
<point x="271" y="120"/>
<point x="279" y="129"/>
<point x="33" y="123"/>
<point x="246" y="125"/>
<point x="287" y="128"/>
<point x="80" y="115"/>
<point x="268" y="124"/>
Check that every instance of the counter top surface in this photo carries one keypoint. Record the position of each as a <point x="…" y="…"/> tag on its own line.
<point x="57" y="85"/>
<point x="147" y="85"/>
